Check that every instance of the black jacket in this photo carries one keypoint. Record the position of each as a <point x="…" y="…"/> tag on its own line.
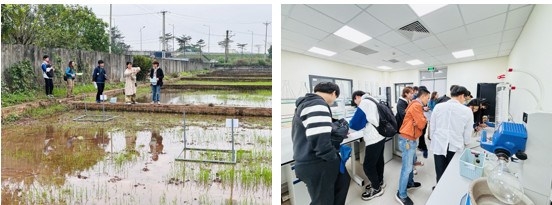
<point x="401" y="112"/>
<point x="160" y="75"/>
<point x="311" y="131"/>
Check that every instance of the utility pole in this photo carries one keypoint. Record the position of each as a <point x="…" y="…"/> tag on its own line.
<point x="251" y="52"/>
<point x="164" y="41"/>
<point x="266" y="35"/>
<point x="173" y="35"/>
<point x="110" y="9"/>
<point x="141" y="37"/>
<point x="226" y="47"/>
<point x="208" y="38"/>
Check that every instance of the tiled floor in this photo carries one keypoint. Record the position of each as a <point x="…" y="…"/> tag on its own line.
<point x="426" y="176"/>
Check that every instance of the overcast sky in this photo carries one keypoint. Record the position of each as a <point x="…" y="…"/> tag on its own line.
<point x="193" y="20"/>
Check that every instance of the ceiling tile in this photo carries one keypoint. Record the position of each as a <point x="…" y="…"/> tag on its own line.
<point x="392" y="38"/>
<point x="507" y="45"/>
<point x="504" y="52"/>
<point x="286" y="9"/>
<point x="430" y="61"/>
<point x="443" y="19"/>
<point x="486" y="49"/>
<point x="518" y="17"/>
<point x="408" y="48"/>
<point x="511" y="35"/>
<point x="477" y="12"/>
<point x="487" y="26"/>
<point x="304" y="29"/>
<point x="374" y="44"/>
<point x="437" y="51"/>
<point x="369" y="25"/>
<point x="340" y="12"/>
<point x="311" y="17"/>
<point x="466" y="59"/>
<point x="454" y="35"/>
<point x="515" y="6"/>
<point x="458" y="46"/>
<point x="427" y="43"/>
<point x="363" y="6"/>
<point x="485" y="40"/>
<point x="298" y="38"/>
<point x="336" y="43"/>
<point x="486" y="55"/>
<point x="447" y="58"/>
<point x="393" y="15"/>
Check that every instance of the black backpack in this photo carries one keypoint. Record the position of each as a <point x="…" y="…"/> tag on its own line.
<point x="387" y="122"/>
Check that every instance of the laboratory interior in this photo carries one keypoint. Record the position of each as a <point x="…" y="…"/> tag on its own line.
<point x="501" y="53"/>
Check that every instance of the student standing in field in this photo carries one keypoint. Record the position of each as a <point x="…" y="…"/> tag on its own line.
<point x="70" y="75"/>
<point x="130" y="83"/>
<point x="156" y="74"/>
<point x="99" y="76"/>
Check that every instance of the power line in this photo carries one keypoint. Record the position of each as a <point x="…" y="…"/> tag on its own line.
<point x="123" y="15"/>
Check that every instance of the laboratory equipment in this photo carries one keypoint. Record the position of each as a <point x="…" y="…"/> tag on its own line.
<point x="537" y="169"/>
<point x="471" y="164"/>
<point x="480" y="193"/>
<point x="502" y="102"/>
<point x="503" y="184"/>
<point x="510" y="138"/>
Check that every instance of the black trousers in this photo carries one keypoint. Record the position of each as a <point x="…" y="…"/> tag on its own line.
<point x="422" y="144"/>
<point x="49" y="86"/>
<point x="100" y="90"/>
<point x="441" y="163"/>
<point x="373" y="163"/>
<point x="324" y="182"/>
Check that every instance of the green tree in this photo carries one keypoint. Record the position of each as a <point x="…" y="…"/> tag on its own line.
<point x="54" y="25"/>
<point x="144" y="63"/>
<point x="118" y="46"/>
<point x="182" y="41"/>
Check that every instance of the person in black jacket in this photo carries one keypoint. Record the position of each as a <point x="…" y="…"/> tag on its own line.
<point x="99" y="76"/>
<point x="156" y="76"/>
<point x="316" y="160"/>
<point x="406" y="97"/>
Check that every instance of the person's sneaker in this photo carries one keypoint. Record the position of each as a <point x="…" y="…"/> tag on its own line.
<point x="418" y="163"/>
<point x="425" y="154"/>
<point x="372" y="193"/>
<point x="152" y="102"/>
<point x="128" y="103"/>
<point x="415" y="186"/>
<point x="97" y="101"/>
<point x="369" y="186"/>
<point x="405" y="201"/>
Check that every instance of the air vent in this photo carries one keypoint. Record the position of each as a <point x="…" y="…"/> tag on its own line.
<point x="393" y="61"/>
<point x="414" y="31"/>
<point x="363" y="50"/>
<point x="415" y="26"/>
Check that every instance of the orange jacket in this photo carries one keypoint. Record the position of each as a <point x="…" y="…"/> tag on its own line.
<point x="414" y="122"/>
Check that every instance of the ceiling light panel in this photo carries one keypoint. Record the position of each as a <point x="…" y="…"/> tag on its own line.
<point x="353" y="35"/>
<point x="423" y="9"/>
<point x="321" y="51"/>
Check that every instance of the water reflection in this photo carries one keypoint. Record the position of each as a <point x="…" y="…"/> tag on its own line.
<point x="156" y="144"/>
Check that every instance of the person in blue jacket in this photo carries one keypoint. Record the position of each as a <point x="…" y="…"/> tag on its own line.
<point x="99" y="76"/>
<point x="70" y="74"/>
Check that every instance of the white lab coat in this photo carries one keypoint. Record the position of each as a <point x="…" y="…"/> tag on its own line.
<point x="451" y="125"/>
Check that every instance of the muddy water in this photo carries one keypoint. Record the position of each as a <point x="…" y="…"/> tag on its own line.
<point x="57" y="161"/>
<point x="239" y="99"/>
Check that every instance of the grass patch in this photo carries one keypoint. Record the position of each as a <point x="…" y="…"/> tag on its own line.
<point x="10" y="99"/>
<point x="185" y="82"/>
<point x="193" y="73"/>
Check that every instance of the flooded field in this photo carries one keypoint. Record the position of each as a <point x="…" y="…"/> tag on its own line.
<point x="131" y="160"/>
<point x="255" y="98"/>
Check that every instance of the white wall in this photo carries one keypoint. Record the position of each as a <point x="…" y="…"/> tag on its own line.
<point x="467" y="74"/>
<point x="532" y="54"/>
<point x="296" y="69"/>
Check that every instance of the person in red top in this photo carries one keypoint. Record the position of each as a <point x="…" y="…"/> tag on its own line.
<point x="411" y="129"/>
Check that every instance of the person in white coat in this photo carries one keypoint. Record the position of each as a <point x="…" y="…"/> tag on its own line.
<point x="450" y="129"/>
<point x="364" y="122"/>
<point x="130" y="83"/>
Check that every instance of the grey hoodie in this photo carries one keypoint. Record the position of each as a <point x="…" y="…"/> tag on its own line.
<point x="311" y="131"/>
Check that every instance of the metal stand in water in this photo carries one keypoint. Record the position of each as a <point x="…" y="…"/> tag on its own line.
<point x="182" y="156"/>
<point x="93" y="118"/>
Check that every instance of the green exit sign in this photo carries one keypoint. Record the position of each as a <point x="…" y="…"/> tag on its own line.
<point x="431" y="68"/>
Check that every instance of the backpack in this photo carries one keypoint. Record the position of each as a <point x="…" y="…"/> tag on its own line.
<point x="387" y="122"/>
